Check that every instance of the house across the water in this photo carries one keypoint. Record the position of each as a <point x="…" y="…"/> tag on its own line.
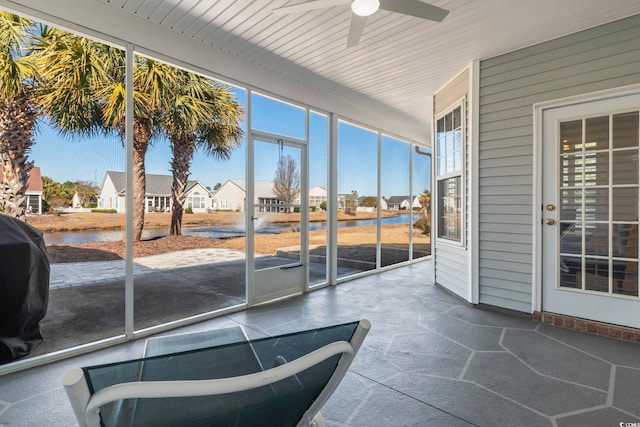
<point x="158" y="194"/>
<point x="396" y="203"/>
<point x="231" y="196"/>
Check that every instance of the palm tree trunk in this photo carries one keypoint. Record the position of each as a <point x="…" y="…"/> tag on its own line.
<point x="17" y="121"/>
<point x="141" y="136"/>
<point x="182" y="151"/>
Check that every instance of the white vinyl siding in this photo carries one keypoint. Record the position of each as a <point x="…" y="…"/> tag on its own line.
<point x="600" y="58"/>
<point x="451" y="261"/>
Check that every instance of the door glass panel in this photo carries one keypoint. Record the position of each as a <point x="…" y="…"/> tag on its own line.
<point x="570" y="205"/>
<point x="625" y="167"/>
<point x="571" y="272"/>
<point x="625" y="277"/>
<point x="596" y="168"/>
<point x="276" y="215"/>
<point x="570" y="238"/>
<point x="571" y="136"/>
<point x="599" y="204"/>
<point x="625" y="240"/>
<point x="572" y="169"/>
<point x="597" y="239"/>
<point x="625" y="130"/>
<point x="596" y="276"/>
<point x="625" y="201"/>
<point x="596" y="204"/>
<point x="597" y="133"/>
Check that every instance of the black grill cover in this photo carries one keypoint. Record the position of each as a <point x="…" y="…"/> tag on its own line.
<point x="24" y="287"/>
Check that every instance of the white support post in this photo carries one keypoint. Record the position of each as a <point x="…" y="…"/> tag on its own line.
<point x="332" y="202"/>
<point x="412" y="197"/>
<point x="304" y="205"/>
<point x="378" y="212"/>
<point x="248" y="207"/>
<point x="128" y="281"/>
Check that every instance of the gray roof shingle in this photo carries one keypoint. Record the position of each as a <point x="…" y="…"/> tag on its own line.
<point x="157" y="185"/>
<point x="396" y="200"/>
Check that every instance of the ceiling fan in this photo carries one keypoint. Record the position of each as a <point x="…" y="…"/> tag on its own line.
<point x="361" y="9"/>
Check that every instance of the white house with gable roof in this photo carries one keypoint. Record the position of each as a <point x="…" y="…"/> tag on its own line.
<point x="158" y="198"/>
<point x="232" y="196"/>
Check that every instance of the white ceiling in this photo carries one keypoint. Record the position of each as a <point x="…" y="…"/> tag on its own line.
<point x="400" y="61"/>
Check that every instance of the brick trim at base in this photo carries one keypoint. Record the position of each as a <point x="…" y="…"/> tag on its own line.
<point x="588" y="326"/>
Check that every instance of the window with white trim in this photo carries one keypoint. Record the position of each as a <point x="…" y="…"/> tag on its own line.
<point x="449" y="172"/>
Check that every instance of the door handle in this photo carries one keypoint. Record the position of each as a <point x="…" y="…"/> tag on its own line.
<point x="550" y="221"/>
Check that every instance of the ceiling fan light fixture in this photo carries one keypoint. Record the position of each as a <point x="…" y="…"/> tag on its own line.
<point x="365" y="7"/>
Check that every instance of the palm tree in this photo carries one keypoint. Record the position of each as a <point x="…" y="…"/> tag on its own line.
<point x="200" y="114"/>
<point x="83" y="93"/>
<point x="17" y="112"/>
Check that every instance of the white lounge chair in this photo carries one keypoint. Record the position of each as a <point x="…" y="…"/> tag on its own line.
<point x="279" y="381"/>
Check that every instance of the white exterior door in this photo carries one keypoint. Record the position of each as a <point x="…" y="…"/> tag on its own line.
<point x="279" y="193"/>
<point x="590" y="210"/>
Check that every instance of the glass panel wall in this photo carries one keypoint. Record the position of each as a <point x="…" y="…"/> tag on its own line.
<point x="276" y="215"/>
<point x="73" y="152"/>
<point x="421" y="236"/>
<point x="191" y="250"/>
<point x="396" y="204"/>
<point x="189" y="192"/>
<point x="318" y="186"/>
<point x="357" y="181"/>
<point x="277" y="180"/>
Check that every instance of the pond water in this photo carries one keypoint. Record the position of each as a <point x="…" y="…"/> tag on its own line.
<point x="72" y="237"/>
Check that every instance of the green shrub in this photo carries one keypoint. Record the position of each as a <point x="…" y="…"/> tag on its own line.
<point x="323" y="206"/>
<point x="104" y="210"/>
<point x="423" y="224"/>
<point x="188" y="210"/>
<point x="92" y="205"/>
<point x="296" y="209"/>
<point x="312" y="208"/>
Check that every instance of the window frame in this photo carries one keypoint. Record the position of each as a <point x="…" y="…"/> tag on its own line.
<point x="461" y="173"/>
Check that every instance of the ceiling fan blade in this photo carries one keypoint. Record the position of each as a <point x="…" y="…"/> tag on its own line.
<point x="355" y="29"/>
<point x="309" y="5"/>
<point x="415" y="8"/>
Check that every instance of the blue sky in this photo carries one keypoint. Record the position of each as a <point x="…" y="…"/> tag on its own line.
<point x="65" y="159"/>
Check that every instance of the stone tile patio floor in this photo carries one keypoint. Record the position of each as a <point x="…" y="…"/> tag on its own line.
<point x="429" y="360"/>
